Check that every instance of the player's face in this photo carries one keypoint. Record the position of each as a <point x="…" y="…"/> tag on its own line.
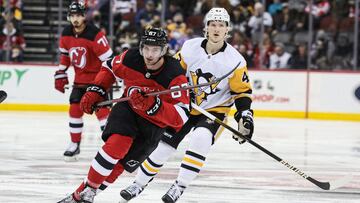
<point x="151" y="54"/>
<point x="217" y="31"/>
<point x="77" y="20"/>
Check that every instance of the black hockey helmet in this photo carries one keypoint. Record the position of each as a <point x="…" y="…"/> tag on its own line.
<point x="77" y="7"/>
<point x="155" y="37"/>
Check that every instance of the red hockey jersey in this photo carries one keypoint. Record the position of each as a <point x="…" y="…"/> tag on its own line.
<point x="85" y="52"/>
<point x="130" y="67"/>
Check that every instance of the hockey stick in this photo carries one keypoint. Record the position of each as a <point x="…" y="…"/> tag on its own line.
<point x="85" y="86"/>
<point x="322" y="185"/>
<point x="3" y="95"/>
<point x="167" y="91"/>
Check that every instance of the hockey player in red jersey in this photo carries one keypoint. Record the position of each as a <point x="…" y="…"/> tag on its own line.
<point x="134" y="128"/>
<point x="84" y="47"/>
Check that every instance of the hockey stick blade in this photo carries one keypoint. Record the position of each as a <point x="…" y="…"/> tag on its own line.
<point x="3" y="95"/>
<point x="167" y="91"/>
<point x="322" y="185"/>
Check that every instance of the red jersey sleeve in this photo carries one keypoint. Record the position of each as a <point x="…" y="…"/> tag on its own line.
<point x="174" y="110"/>
<point x="101" y="47"/>
<point x="64" y="53"/>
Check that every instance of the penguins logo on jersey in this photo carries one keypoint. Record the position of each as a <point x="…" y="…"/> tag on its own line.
<point x="201" y="93"/>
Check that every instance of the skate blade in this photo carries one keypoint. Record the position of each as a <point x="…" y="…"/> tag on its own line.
<point x="71" y="158"/>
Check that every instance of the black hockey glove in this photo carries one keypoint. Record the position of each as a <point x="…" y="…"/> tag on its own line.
<point x="246" y="125"/>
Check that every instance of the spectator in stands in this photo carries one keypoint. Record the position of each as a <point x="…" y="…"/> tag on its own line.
<point x="280" y="58"/>
<point x="126" y="38"/>
<point x="322" y="50"/>
<point x="15" y="44"/>
<point x="260" y="17"/>
<point x="96" y="20"/>
<point x="147" y="16"/>
<point x="239" y="18"/>
<point x="266" y="51"/>
<point x="177" y="33"/>
<point x="9" y="16"/>
<point x="275" y="7"/>
<point x="282" y="20"/>
<point x="15" y="6"/>
<point x="246" y="54"/>
<point x="299" y="59"/>
<point x="171" y="12"/>
<point x="320" y="8"/>
<point x="343" y="53"/>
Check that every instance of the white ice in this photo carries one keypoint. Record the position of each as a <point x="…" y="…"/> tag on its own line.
<point x="32" y="167"/>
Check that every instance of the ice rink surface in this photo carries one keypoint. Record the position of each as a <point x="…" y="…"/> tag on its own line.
<point x="32" y="167"/>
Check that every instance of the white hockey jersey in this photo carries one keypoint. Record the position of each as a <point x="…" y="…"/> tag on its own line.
<point x="202" y="67"/>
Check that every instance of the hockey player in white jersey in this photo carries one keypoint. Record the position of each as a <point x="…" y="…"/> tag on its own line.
<point x="204" y="59"/>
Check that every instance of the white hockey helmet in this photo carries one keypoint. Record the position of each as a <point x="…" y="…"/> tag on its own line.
<point x="217" y="14"/>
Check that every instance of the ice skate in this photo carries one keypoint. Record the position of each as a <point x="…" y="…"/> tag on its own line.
<point x="130" y="192"/>
<point x="68" y="199"/>
<point x="174" y="193"/>
<point x="88" y="195"/>
<point x="72" y="152"/>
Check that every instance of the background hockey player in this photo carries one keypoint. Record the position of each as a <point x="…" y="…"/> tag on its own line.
<point x="134" y="128"/>
<point x="84" y="47"/>
<point x="205" y="59"/>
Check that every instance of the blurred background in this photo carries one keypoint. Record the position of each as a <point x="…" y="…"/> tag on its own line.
<point x="270" y="34"/>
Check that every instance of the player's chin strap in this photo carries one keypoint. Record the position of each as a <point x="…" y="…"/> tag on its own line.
<point x="323" y="185"/>
<point x="179" y="89"/>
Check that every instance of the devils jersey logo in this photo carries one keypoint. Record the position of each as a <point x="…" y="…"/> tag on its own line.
<point x="202" y="93"/>
<point x="78" y="56"/>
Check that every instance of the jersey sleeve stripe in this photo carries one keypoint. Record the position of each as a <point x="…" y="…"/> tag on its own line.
<point x="107" y="157"/>
<point x="183" y="112"/>
<point x="64" y="51"/>
<point x="106" y="55"/>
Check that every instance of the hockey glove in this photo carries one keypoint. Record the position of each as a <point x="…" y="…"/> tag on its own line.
<point x="61" y="80"/>
<point x="149" y="104"/>
<point x="246" y="125"/>
<point x="93" y="95"/>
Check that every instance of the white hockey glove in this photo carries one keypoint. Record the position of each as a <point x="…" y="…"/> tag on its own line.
<point x="246" y="125"/>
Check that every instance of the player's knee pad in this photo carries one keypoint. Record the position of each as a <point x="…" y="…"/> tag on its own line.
<point x="201" y="140"/>
<point x="75" y="111"/>
<point x="117" y="146"/>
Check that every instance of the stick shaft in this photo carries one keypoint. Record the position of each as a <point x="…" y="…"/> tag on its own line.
<point x="167" y="91"/>
<point x="322" y="185"/>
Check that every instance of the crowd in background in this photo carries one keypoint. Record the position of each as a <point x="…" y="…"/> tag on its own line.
<point x="284" y="40"/>
<point x="11" y="32"/>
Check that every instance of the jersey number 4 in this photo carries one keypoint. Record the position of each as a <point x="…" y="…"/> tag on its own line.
<point x="245" y="77"/>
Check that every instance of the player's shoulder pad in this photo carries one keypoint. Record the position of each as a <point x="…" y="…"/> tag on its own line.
<point x="191" y="45"/>
<point x="90" y="33"/>
<point x="67" y="31"/>
<point x="133" y="59"/>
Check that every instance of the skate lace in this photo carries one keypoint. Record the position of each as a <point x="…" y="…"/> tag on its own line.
<point x="88" y="194"/>
<point x="175" y="191"/>
<point x="134" y="189"/>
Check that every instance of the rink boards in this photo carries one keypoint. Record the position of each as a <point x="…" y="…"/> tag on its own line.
<point x="291" y="94"/>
